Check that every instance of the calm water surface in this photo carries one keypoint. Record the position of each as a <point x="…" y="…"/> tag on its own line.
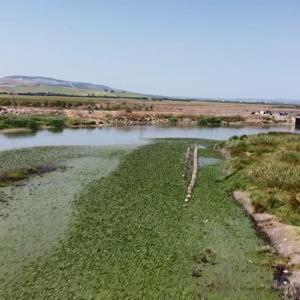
<point x="122" y="135"/>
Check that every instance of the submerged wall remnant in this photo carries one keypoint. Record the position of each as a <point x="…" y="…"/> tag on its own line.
<point x="192" y="154"/>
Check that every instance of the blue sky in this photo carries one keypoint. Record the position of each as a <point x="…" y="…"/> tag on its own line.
<point x="183" y="48"/>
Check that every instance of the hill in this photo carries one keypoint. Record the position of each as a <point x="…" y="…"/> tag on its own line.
<point x="37" y="85"/>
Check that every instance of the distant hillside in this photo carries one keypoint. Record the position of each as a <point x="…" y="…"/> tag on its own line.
<point x="36" y="84"/>
<point x="19" y="84"/>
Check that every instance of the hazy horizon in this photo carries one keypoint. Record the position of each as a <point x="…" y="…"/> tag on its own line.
<point x="196" y="49"/>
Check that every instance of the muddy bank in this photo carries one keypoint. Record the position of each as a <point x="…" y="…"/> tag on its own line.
<point x="285" y="239"/>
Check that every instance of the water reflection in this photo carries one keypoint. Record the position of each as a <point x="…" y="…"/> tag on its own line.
<point x="56" y="130"/>
<point x="207" y="161"/>
<point x="25" y="133"/>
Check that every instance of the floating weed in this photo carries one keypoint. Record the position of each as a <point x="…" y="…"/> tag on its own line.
<point x="35" y="213"/>
<point x="131" y="238"/>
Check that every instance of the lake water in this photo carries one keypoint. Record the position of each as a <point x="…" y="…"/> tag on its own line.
<point x="123" y="135"/>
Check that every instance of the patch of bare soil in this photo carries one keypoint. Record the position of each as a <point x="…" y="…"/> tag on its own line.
<point x="285" y="239"/>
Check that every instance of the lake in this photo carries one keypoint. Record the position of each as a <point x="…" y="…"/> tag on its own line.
<point x="123" y="135"/>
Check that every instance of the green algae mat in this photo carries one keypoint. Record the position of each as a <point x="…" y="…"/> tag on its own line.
<point x="130" y="236"/>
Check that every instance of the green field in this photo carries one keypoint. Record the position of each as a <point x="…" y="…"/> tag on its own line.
<point x="130" y="237"/>
<point x="58" y="100"/>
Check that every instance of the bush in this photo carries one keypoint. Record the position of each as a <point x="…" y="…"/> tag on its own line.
<point x="172" y="119"/>
<point x="90" y="123"/>
<point x="209" y="121"/>
<point x="233" y="119"/>
<point x="56" y="122"/>
<point x="32" y="124"/>
<point x="128" y="109"/>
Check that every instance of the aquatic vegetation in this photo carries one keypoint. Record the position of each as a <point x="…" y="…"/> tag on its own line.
<point x="130" y="237"/>
<point x="11" y="176"/>
<point x="24" y="157"/>
<point x="218" y="121"/>
<point x="269" y="166"/>
<point x="35" y="212"/>
<point x="56" y="122"/>
<point x="209" y="121"/>
<point x="173" y="120"/>
<point x="30" y="121"/>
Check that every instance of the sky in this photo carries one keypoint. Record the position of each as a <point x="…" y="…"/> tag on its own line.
<point x="227" y="49"/>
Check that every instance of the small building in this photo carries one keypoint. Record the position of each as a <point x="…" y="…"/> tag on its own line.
<point x="297" y="122"/>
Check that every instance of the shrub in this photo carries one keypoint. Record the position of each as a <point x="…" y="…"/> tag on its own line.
<point x="236" y="118"/>
<point x="209" y="121"/>
<point x="90" y="123"/>
<point x="172" y="119"/>
<point x="56" y="122"/>
<point x="32" y="124"/>
<point x="128" y="109"/>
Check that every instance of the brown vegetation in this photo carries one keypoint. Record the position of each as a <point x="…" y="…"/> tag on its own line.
<point x="143" y="111"/>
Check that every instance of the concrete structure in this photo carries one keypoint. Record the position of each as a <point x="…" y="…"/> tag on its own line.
<point x="297" y="122"/>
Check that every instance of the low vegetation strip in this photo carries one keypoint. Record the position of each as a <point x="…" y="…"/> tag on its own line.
<point x="31" y="121"/>
<point x="268" y="166"/>
<point x="11" y="176"/>
<point x="24" y="157"/>
<point x="264" y="172"/>
<point x="131" y="238"/>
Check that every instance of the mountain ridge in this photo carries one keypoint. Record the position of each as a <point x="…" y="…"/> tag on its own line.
<point x="24" y="84"/>
<point x="14" y="80"/>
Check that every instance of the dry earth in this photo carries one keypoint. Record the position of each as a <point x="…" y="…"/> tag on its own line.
<point x="187" y="112"/>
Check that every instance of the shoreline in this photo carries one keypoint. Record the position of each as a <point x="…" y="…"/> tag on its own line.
<point x="126" y="112"/>
<point x="283" y="238"/>
<point x="250" y="182"/>
<point x="235" y="125"/>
